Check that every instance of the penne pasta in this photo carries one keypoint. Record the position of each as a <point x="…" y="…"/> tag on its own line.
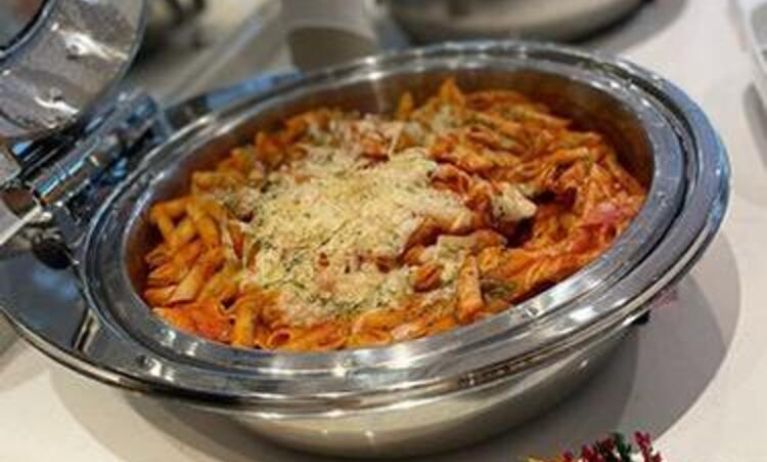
<point x="205" y="225"/>
<point x="344" y="230"/>
<point x="174" y="208"/>
<point x="209" y="320"/>
<point x="160" y="255"/>
<point x="379" y="319"/>
<point x="369" y="338"/>
<point x="222" y="286"/>
<point x="468" y="291"/>
<point x="164" y="223"/>
<point x="427" y="277"/>
<point x="183" y="233"/>
<point x="159" y="296"/>
<point x="178" y="318"/>
<point x="167" y="274"/>
<point x="411" y="329"/>
<point x="193" y="282"/>
<point x="280" y="338"/>
<point x="317" y="338"/>
<point x="244" y="323"/>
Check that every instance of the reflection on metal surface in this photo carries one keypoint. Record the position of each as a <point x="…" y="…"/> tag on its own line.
<point x="54" y="101"/>
<point x="79" y="44"/>
<point x="11" y="223"/>
<point x="9" y="166"/>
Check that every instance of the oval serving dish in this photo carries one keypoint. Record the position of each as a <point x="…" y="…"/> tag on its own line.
<point x="428" y="394"/>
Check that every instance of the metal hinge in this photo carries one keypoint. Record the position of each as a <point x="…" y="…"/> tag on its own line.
<point x="113" y="137"/>
<point x="70" y="177"/>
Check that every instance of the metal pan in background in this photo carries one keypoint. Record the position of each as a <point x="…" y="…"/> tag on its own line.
<point x="428" y="21"/>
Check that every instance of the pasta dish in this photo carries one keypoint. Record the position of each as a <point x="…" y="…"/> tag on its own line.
<point x="345" y="230"/>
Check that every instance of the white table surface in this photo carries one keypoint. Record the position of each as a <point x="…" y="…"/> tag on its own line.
<point x="694" y="377"/>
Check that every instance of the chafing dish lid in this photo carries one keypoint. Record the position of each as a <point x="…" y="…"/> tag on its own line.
<point x="58" y="58"/>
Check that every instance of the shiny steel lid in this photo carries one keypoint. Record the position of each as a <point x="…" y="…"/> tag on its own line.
<point x="58" y="58"/>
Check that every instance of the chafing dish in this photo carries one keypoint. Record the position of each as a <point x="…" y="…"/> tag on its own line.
<point x="70" y="265"/>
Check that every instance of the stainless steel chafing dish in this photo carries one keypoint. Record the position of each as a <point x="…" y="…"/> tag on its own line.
<point x="74" y="220"/>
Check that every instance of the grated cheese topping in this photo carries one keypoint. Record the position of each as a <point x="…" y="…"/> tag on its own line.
<point x="322" y="225"/>
<point x="320" y="229"/>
